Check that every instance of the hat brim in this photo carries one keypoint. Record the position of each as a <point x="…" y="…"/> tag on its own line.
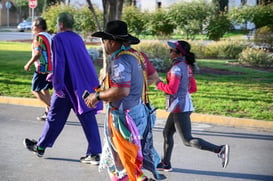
<point x="132" y="40"/>
<point x="102" y="35"/>
<point x="172" y="44"/>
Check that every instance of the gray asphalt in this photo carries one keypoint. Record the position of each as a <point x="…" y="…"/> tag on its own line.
<point x="251" y="155"/>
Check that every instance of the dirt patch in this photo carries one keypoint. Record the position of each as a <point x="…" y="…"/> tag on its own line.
<point x="267" y="69"/>
<point x="207" y="70"/>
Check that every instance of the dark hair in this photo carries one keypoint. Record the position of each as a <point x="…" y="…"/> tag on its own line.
<point x="67" y="19"/>
<point x="190" y="57"/>
<point x="41" y="22"/>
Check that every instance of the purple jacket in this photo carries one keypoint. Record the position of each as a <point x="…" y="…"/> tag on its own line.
<point x="73" y="70"/>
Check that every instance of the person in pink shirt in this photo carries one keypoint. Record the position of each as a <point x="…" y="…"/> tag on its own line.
<point x="180" y="83"/>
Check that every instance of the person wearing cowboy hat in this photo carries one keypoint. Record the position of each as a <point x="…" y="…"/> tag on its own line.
<point x="126" y="117"/>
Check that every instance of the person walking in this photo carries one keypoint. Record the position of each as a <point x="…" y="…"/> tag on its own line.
<point x="126" y="117"/>
<point x="180" y="83"/>
<point x="151" y="158"/>
<point x="73" y="73"/>
<point x="42" y="59"/>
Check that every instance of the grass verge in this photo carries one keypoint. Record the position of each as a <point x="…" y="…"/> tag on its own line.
<point x="241" y="92"/>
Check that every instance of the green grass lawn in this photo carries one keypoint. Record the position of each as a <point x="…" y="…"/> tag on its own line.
<point x="246" y="94"/>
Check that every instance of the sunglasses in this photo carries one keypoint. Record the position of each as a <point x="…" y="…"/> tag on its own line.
<point x="173" y="50"/>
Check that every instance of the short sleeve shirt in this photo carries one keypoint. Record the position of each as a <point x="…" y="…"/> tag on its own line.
<point x="42" y="42"/>
<point x="126" y="71"/>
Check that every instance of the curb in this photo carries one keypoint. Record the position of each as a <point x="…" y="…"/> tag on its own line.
<point x="161" y="114"/>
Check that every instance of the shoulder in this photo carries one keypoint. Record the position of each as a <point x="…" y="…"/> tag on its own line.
<point x="176" y="69"/>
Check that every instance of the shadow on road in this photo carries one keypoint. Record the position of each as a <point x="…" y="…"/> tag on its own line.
<point x="62" y="159"/>
<point x="224" y="174"/>
<point x="235" y="135"/>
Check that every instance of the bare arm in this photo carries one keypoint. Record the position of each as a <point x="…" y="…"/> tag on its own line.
<point x="111" y="94"/>
<point x="35" y="57"/>
<point x="152" y="78"/>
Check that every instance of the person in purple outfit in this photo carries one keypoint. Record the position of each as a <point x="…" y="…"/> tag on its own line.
<point x="73" y="73"/>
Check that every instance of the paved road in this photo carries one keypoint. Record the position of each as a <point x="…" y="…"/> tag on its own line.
<point x="5" y="36"/>
<point x="251" y="151"/>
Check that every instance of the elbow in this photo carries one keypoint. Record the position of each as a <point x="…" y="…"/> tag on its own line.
<point x="123" y="94"/>
<point x="172" y="92"/>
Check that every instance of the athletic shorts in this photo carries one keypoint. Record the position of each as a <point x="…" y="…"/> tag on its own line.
<point x="39" y="82"/>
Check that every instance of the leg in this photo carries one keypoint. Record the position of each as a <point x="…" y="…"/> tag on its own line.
<point x="40" y="88"/>
<point x="168" y="133"/>
<point x="90" y="128"/>
<point x="47" y="97"/>
<point x="43" y="96"/>
<point x="182" y="124"/>
<point x="56" y="119"/>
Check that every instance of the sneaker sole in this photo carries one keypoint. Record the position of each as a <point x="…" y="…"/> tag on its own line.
<point x="94" y="162"/>
<point x="227" y="150"/>
<point x="35" y="153"/>
<point x="164" y="169"/>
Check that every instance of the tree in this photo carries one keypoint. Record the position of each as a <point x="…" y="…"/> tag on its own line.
<point x="85" y="21"/>
<point x="135" y="19"/>
<point x="52" y="12"/>
<point x="190" y="17"/>
<point x="160" y="23"/>
<point x="23" y="8"/>
<point x="261" y="15"/>
<point x="218" y="26"/>
<point x="112" y="10"/>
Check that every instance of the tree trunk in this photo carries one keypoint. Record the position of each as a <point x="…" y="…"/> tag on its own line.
<point x="112" y="10"/>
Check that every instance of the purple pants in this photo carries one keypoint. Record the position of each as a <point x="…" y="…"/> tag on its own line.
<point x="56" y="119"/>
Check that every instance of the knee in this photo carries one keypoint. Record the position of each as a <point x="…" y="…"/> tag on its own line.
<point x="35" y="93"/>
<point x="190" y="142"/>
<point x="186" y="142"/>
<point x="194" y="143"/>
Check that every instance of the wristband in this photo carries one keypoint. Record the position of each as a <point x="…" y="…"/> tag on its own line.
<point x="97" y="96"/>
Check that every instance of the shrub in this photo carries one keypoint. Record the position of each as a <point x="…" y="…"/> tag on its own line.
<point x="52" y="13"/>
<point x="264" y="37"/>
<point x="260" y="15"/>
<point x="94" y="53"/>
<point x="158" y="51"/>
<point x="160" y="24"/>
<point x="221" y="49"/>
<point x="158" y="64"/>
<point x="256" y="57"/>
<point x="190" y="16"/>
<point x="135" y="19"/>
<point x="85" y="22"/>
<point x="218" y="26"/>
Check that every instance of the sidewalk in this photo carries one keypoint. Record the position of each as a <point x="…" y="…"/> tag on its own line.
<point x="161" y="114"/>
<point x="8" y="29"/>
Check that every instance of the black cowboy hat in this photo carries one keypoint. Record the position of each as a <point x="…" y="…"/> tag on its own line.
<point x="116" y="30"/>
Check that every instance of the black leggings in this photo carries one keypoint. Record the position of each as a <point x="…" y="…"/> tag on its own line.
<point x="181" y="123"/>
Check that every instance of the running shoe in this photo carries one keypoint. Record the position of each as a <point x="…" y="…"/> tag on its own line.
<point x="91" y="159"/>
<point x="224" y="155"/>
<point x="164" y="167"/>
<point x="31" y="145"/>
<point x="42" y="117"/>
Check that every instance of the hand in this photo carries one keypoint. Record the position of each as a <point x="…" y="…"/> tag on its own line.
<point x="27" y="67"/>
<point x="60" y="94"/>
<point x="91" y="100"/>
<point x="158" y="80"/>
<point x="49" y="77"/>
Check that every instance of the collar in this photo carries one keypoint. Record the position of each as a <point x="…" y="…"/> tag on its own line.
<point x="115" y="54"/>
<point x="178" y="59"/>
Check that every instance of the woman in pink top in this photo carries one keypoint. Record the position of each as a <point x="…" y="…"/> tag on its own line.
<point x="180" y="83"/>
